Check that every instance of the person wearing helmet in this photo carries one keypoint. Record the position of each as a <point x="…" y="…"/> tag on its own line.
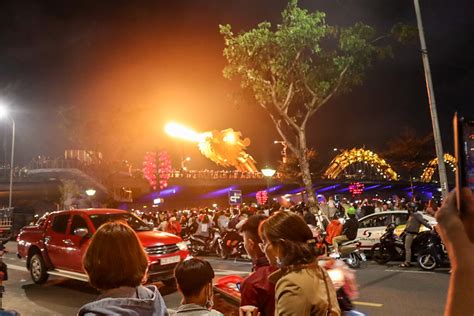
<point x="349" y="230"/>
<point x="415" y="220"/>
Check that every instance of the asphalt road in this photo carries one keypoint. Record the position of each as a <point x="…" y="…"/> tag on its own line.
<point x="384" y="290"/>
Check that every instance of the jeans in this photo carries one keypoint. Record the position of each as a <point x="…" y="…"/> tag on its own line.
<point x="408" y="242"/>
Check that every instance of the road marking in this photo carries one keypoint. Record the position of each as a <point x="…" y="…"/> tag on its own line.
<point x="408" y="271"/>
<point x="367" y="304"/>
<point x="15" y="267"/>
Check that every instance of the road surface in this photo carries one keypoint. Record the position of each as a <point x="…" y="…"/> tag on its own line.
<point x="384" y="290"/>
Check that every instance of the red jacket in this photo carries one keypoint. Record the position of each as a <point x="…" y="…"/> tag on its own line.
<point x="334" y="229"/>
<point x="174" y="227"/>
<point x="257" y="290"/>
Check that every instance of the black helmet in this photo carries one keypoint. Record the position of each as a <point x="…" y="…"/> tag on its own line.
<point x="411" y="206"/>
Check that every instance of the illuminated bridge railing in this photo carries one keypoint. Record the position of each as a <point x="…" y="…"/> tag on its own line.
<point x="217" y="175"/>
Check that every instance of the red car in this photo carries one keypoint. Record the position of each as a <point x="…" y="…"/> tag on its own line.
<point x="56" y="244"/>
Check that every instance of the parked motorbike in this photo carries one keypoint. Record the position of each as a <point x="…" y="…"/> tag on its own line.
<point x="392" y="248"/>
<point x="434" y="254"/>
<point x="233" y="245"/>
<point x="206" y="246"/>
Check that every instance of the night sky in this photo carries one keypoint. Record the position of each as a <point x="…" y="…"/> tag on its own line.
<point x="163" y="61"/>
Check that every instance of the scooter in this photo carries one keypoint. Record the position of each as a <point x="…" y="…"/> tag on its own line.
<point x="350" y="253"/>
<point x="206" y="246"/>
<point x="233" y="245"/>
<point x="434" y="254"/>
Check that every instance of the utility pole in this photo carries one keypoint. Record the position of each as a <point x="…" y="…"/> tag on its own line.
<point x="443" y="180"/>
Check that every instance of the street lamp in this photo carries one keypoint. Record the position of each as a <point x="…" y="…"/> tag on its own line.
<point x="4" y="114"/>
<point x="90" y="192"/>
<point x="268" y="173"/>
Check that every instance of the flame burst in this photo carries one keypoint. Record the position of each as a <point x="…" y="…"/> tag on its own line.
<point x="226" y="148"/>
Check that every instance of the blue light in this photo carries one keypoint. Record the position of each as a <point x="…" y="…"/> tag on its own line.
<point x="217" y="193"/>
<point x="298" y="190"/>
<point x="332" y="187"/>
<point x="371" y="187"/>
<point x="343" y="190"/>
<point x="169" y="191"/>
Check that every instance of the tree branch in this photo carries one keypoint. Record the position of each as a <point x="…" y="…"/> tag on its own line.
<point x="282" y="134"/>
<point x="305" y="82"/>
<point x="380" y="38"/>
<point x="289" y="96"/>
<point x="313" y="108"/>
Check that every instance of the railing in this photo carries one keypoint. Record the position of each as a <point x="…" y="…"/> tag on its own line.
<point x="217" y="175"/>
<point x="5" y="217"/>
<point x="92" y="169"/>
<point x="57" y="164"/>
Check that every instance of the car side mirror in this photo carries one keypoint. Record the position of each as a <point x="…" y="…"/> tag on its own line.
<point x="81" y="232"/>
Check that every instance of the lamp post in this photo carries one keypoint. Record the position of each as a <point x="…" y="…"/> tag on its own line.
<point x="268" y="173"/>
<point x="431" y="98"/>
<point x="4" y="114"/>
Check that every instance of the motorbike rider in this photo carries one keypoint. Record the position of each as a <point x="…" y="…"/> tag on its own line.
<point x="415" y="220"/>
<point x="204" y="227"/>
<point x="349" y="230"/>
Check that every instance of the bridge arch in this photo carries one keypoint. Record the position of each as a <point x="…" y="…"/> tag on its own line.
<point x="432" y="166"/>
<point x="364" y="160"/>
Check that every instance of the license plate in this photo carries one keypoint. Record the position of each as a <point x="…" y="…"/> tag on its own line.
<point x="170" y="260"/>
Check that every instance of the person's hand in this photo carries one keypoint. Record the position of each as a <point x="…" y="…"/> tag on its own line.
<point x="457" y="232"/>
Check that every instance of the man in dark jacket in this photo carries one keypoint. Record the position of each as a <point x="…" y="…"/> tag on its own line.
<point x="349" y="230"/>
<point x="256" y="289"/>
<point x="415" y="220"/>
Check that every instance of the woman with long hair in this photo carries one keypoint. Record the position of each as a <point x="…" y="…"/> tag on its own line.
<point x="302" y="286"/>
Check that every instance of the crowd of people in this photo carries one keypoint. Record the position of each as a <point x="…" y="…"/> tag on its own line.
<point x="286" y="277"/>
<point x="185" y="222"/>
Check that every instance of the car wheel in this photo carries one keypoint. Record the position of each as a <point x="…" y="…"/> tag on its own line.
<point x="380" y="254"/>
<point x="427" y="262"/>
<point x="38" y="269"/>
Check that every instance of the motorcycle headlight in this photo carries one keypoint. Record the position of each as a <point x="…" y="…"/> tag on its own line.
<point x="183" y="245"/>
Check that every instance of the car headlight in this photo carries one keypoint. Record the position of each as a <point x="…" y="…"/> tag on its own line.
<point x="183" y="245"/>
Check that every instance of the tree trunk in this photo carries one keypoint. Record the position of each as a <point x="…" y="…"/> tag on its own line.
<point x="304" y="166"/>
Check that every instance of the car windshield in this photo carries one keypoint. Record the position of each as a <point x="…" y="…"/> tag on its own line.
<point x="134" y="222"/>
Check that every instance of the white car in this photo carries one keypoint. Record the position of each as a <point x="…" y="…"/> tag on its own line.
<point x="372" y="227"/>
